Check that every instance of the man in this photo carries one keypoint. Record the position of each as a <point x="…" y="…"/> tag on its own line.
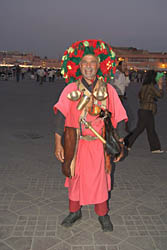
<point x="41" y="75"/>
<point x="121" y="80"/>
<point x="18" y="73"/>
<point x="86" y="65"/>
<point x="120" y="83"/>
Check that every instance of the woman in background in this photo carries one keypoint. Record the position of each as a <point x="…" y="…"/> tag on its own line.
<point x="148" y="107"/>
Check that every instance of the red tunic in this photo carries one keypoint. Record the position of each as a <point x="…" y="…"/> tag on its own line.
<point x="91" y="184"/>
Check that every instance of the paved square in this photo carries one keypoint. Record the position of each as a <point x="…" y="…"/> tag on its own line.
<point x="33" y="200"/>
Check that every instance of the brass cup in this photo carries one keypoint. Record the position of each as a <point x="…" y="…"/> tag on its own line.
<point x="83" y="102"/>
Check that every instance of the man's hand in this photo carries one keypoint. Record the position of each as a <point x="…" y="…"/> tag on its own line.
<point x="59" y="150"/>
<point x="66" y="170"/>
<point x="121" y="155"/>
<point x="126" y="73"/>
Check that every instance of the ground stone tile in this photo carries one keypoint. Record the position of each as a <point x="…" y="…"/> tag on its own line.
<point x="133" y="233"/>
<point x="145" y="243"/>
<point x="102" y="238"/>
<point x="143" y="210"/>
<point x="6" y="189"/>
<point x="20" y="243"/>
<point x="28" y="233"/>
<point x="22" y="223"/>
<point x="141" y="227"/>
<point x="127" y="246"/>
<point x="7" y="218"/>
<point x="82" y="238"/>
<point x="153" y="233"/>
<point x="41" y="222"/>
<point x="120" y="232"/>
<point x="18" y="233"/>
<point x="163" y="233"/>
<point x="112" y="248"/>
<point x="128" y="210"/>
<point x="50" y="233"/>
<point x="92" y="248"/>
<point x="51" y="222"/>
<point x="40" y="227"/>
<point x="39" y="233"/>
<point x="131" y="227"/>
<point x="117" y="219"/>
<point x="161" y="242"/>
<point x="51" y="228"/>
<point x="18" y="205"/>
<point x="5" y="231"/>
<point x="22" y="197"/>
<point x="30" y="210"/>
<point x="49" y="209"/>
<point x="4" y="246"/>
<point x="44" y="243"/>
<point x="61" y="246"/>
<point x="163" y="217"/>
<point x="65" y="233"/>
<point x="143" y="233"/>
<point x="77" y="248"/>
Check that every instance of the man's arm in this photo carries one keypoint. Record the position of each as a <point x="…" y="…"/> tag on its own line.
<point x="158" y="92"/>
<point x="121" y="134"/>
<point x="59" y="150"/>
<point x="59" y="130"/>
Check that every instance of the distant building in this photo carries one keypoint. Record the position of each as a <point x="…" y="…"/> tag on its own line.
<point x="26" y="60"/>
<point x="142" y="59"/>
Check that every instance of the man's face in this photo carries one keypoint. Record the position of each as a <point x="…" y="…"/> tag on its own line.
<point x="123" y="67"/>
<point x="89" y="66"/>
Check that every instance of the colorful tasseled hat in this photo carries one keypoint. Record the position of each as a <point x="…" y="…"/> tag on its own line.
<point x="73" y="55"/>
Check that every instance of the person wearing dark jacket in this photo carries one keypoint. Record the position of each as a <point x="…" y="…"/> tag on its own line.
<point x="148" y="96"/>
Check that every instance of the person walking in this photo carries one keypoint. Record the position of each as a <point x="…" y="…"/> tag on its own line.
<point x="41" y="73"/>
<point x="87" y="65"/>
<point x="120" y="82"/>
<point x="18" y="73"/>
<point x="148" y="107"/>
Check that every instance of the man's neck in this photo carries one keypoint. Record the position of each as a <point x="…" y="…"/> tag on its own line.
<point x="89" y="82"/>
<point x="89" y="86"/>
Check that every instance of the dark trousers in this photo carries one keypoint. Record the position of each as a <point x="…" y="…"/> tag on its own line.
<point x="145" y="121"/>
<point x="17" y="77"/>
<point x="41" y="80"/>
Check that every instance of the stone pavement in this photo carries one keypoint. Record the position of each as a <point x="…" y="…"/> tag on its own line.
<point x="33" y="200"/>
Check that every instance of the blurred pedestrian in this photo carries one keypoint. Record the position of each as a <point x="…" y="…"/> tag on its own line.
<point x="120" y="83"/>
<point x="23" y="71"/>
<point x="18" y="73"/>
<point x="41" y="75"/>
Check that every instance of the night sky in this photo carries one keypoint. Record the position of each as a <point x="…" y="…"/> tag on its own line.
<point x="48" y="27"/>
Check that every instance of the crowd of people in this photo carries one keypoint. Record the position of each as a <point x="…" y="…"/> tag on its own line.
<point x="52" y="74"/>
<point x="21" y="73"/>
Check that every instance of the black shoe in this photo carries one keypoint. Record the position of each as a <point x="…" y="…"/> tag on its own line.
<point x="71" y="218"/>
<point x="105" y="222"/>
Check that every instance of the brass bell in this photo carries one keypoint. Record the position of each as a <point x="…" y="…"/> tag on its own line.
<point x="74" y="95"/>
<point x="100" y="94"/>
